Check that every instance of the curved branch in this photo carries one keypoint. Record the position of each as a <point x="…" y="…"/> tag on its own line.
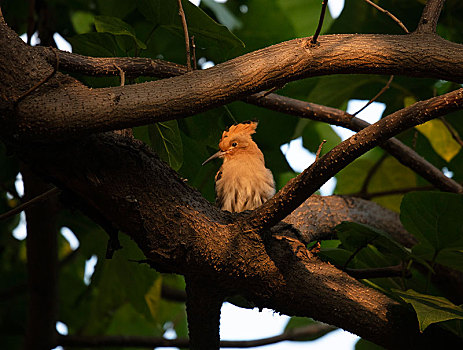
<point x="161" y="69"/>
<point x="404" y="154"/>
<point x="180" y="232"/>
<point x="430" y="16"/>
<point x="298" y="189"/>
<point x="73" y="110"/>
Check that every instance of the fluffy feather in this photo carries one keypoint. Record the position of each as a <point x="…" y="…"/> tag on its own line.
<point x="243" y="182"/>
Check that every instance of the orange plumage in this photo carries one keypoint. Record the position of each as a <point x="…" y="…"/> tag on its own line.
<point x="242" y="182"/>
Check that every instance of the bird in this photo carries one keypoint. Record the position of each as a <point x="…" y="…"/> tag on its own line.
<point x="242" y="182"/>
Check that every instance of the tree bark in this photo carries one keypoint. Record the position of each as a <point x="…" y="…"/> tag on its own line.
<point x="42" y="263"/>
<point x="177" y="229"/>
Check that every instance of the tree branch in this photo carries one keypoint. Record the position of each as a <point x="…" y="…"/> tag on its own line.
<point x="313" y="41"/>
<point x="313" y="330"/>
<point x="394" y="18"/>
<point x="401" y="152"/>
<point x="81" y="111"/>
<point x="203" y="305"/>
<point x="40" y="198"/>
<point x="430" y="16"/>
<point x="181" y="13"/>
<point x="379" y="272"/>
<point x="137" y="66"/>
<point x="180" y="232"/>
<point x="298" y="189"/>
<point x="42" y="265"/>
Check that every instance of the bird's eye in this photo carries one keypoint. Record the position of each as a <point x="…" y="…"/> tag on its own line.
<point x="234" y="144"/>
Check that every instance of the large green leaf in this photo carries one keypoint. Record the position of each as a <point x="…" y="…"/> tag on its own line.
<point x="354" y="235"/>
<point x="95" y="44"/>
<point x="206" y="31"/>
<point x="391" y="175"/>
<point x="116" y="26"/>
<point x="431" y="309"/>
<point x="116" y="8"/>
<point x="167" y="142"/>
<point x="434" y="218"/>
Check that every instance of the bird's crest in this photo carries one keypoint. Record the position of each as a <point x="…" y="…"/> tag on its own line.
<point x="248" y="127"/>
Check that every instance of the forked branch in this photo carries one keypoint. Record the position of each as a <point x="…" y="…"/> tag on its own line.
<point x="430" y="17"/>
<point x="301" y="187"/>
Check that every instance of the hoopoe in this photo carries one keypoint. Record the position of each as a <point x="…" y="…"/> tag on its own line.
<point x="242" y="182"/>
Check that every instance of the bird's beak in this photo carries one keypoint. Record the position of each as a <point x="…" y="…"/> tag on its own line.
<point x="219" y="154"/>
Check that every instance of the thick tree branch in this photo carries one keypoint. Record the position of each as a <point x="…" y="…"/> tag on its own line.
<point x="180" y="232"/>
<point x="301" y="187"/>
<point x="137" y="66"/>
<point x="74" y="110"/>
<point x="177" y="229"/>
<point x="430" y="16"/>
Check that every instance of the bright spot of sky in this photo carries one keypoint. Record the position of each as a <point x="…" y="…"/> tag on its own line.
<point x="371" y="114"/>
<point x="245" y="324"/>
<point x="90" y="269"/>
<point x="70" y="237"/>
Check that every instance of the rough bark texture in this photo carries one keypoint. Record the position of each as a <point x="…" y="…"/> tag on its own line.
<point x="69" y="109"/>
<point x="179" y="231"/>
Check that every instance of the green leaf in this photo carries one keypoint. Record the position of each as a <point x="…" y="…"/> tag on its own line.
<point x="363" y="344"/>
<point x="434" y="218"/>
<point x="440" y="138"/>
<point x="354" y="235"/>
<point x="296" y="322"/>
<point x="82" y="21"/>
<point x="224" y="15"/>
<point x="391" y="175"/>
<point x="95" y="44"/>
<point x="205" y="30"/>
<point x="116" y="26"/>
<point x="430" y="309"/>
<point x="166" y="141"/>
<point x="335" y="90"/>
<point x="116" y="8"/>
<point x="314" y="134"/>
<point x="304" y="16"/>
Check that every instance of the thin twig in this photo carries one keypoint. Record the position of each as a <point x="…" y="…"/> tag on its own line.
<point x="394" y="18"/>
<point x="121" y="73"/>
<point x="317" y="156"/>
<point x="313" y="41"/>
<point x="43" y="81"/>
<point x="181" y="13"/>
<point x="33" y="201"/>
<point x="392" y="192"/>
<point x="430" y="16"/>
<point x="385" y="87"/>
<point x="452" y="131"/>
<point x="379" y="272"/>
<point x="313" y="330"/>
<point x="193" y="47"/>
<point x="372" y="172"/>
